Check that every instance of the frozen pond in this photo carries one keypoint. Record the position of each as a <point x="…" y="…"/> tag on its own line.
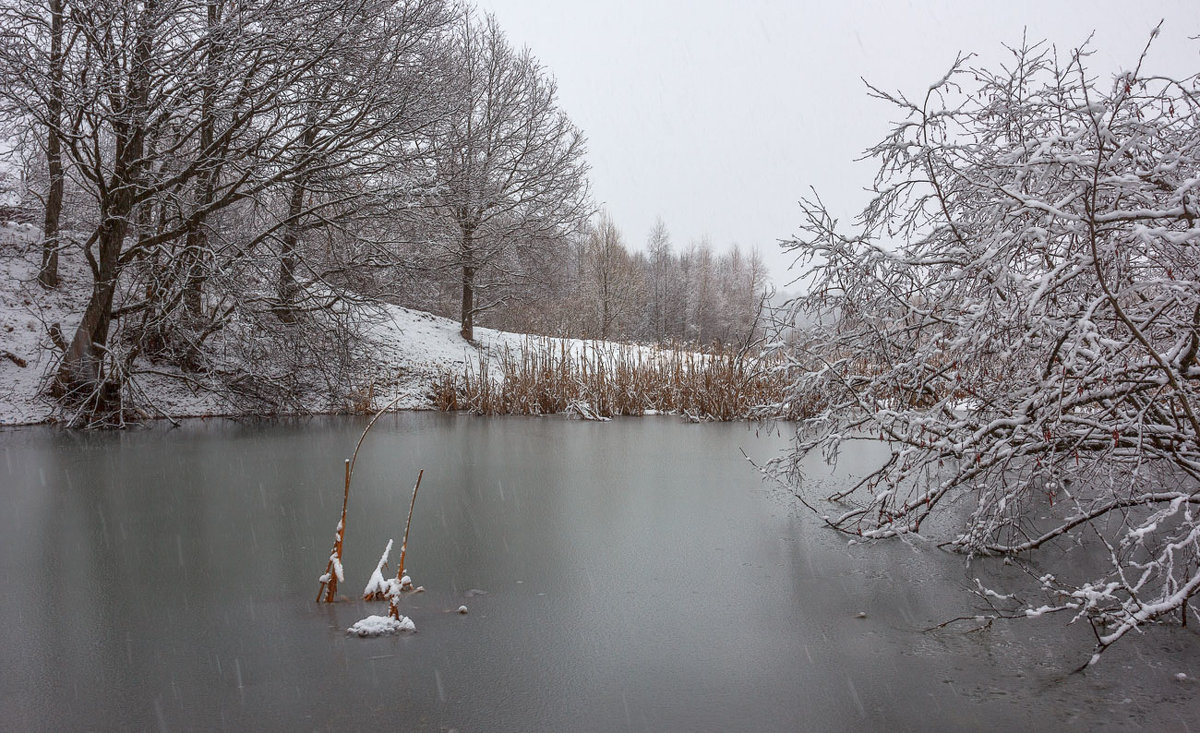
<point x="638" y="576"/>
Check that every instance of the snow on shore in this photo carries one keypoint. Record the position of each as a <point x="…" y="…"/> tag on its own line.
<point x="26" y="313"/>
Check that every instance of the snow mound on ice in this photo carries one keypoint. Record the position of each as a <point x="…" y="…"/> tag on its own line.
<point x="380" y="625"/>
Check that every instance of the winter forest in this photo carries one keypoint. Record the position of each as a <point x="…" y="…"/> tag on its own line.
<point x="977" y="400"/>
<point x="244" y="182"/>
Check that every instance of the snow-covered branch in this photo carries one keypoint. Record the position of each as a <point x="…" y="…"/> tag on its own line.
<point x="1017" y="315"/>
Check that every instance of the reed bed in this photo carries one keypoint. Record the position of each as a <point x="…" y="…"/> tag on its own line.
<point x="598" y="380"/>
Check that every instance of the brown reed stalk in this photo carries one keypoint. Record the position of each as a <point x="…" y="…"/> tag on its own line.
<point x="408" y="526"/>
<point x="394" y="595"/>
<point x="329" y="580"/>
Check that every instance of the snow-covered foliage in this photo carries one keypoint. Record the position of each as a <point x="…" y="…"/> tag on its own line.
<point x="1017" y="314"/>
<point x="229" y="194"/>
<point x="511" y="166"/>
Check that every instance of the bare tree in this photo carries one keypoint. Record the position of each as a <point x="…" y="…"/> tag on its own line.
<point x="612" y="280"/>
<point x="32" y="56"/>
<point x="658" y="248"/>
<point x="741" y="298"/>
<point x="1018" y="317"/>
<point x="509" y="162"/>
<point x="702" y="291"/>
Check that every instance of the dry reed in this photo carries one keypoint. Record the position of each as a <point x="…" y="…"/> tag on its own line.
<point x="333" y="571"/>
<point x="394" y="597"/>
<point x="601" y="380"/>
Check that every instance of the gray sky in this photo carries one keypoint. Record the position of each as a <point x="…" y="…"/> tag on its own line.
<point x="718" y="115"/>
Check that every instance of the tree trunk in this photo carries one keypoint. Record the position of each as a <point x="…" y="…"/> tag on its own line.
<point x="193" y="251"/>
<point x="468" y="303"/>
<point x="286" y="288"/>
<point x="80" y="375"/>
<point x="48" y="274"/>
<point x="197" y="238"/>
<point x="468" y="283"/>
<point x="604" y="315"/>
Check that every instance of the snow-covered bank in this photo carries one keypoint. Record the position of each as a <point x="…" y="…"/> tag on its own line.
<point x="412" y="348"/>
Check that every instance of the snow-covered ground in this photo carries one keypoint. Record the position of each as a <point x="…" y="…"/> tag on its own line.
<point x="414" y="348"/>
<point x="26" y="313"/>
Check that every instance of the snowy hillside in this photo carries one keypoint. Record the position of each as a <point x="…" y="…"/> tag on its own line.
<point x="413" y="347"/>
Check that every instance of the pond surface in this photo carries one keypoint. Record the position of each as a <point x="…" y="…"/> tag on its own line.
<point x="638" y="576"/>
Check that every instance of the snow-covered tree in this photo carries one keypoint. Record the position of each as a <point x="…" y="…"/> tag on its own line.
<point x="659" y="256"/>
<point x="611" y="284"/>
<point x="177" y="117"/>
<point x="509" y="163"/>
<point x="1017" y="315"/>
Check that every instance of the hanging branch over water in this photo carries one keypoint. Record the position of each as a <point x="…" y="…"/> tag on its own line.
<point x="1017" y="314"/>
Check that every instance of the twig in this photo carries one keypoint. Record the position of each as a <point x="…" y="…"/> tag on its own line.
<point x="986" y="622"/>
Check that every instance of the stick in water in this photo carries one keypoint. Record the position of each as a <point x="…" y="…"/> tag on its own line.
<point x="394" y="595"/>
<point x="408" y="525"/>
<point x="329" y="580"/>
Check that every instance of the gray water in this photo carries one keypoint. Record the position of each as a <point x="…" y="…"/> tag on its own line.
<point x="638" y="575"/>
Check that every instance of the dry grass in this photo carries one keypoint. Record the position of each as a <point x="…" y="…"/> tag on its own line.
<point x="601" y="380"/>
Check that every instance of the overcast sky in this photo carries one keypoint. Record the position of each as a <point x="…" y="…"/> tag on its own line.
<point x="718" y="115"/>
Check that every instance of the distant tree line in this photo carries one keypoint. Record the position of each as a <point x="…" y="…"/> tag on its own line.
<point x="596" y="287"/>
